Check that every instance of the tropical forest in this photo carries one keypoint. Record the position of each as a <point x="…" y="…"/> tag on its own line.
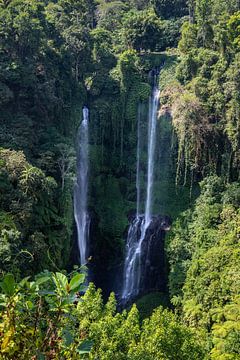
<point x="120" y="179"/>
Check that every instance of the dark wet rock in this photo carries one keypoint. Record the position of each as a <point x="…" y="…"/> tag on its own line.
<point x="152" y="257"/>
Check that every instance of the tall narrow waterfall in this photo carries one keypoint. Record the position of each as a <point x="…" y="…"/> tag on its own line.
<point x="81" y="189"/>
<point x="138" y="180"/>
<point x="153" y="110"/>
<point x="135" y="258"/>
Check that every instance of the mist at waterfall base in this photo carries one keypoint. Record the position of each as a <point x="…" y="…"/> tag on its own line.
<point x="145" y="239"/>
<point x="81" y="215"/>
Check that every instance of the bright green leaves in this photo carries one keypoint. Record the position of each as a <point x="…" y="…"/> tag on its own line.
<point x="62" y="285"/>
<point x="188" y="37"/>
<point x="47" y="284"/>
<point x="60" y="281"/>
<point x="122" y="336"/>
<point x="226" y="334"/>
<point x="60" y="292"/>
<point x="234" y="29"/>
<point x="32" y="309"/>
<point x="64" y="291"/>
<point x="204" y="266"/>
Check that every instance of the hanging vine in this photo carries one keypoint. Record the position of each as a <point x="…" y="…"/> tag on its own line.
<point x="192" y="129"/>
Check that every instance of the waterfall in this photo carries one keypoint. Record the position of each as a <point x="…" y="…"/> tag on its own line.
<point x="138" y="180"/>
<point x="81" y="189"/>
<point x="131" y="266"/>
<point x="135" y="259"/>
<point x="153" y="110"/>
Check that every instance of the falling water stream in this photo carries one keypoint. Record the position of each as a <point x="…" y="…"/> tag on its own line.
<point x="81" y="189"/>
<point x="138" y="180"/>
<point x="153" y="111"/>
<point x="134" y="261"/>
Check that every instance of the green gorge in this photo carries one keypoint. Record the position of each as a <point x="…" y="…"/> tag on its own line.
<point x="119" y="137"/>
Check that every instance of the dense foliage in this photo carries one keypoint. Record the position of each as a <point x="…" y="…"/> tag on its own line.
<point x="36" y="320"/>
<point x="204" y="260"/>
<point x="47" y="319"/>
<point x="57" y="56"/>
<point x="204" y="95"/>
<point x="203" y="248"/>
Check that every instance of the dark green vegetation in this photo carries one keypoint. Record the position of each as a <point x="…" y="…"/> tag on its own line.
<point x="203" y="248"/>
<point x="204" y="253"/>
<point x="55" y="57"/>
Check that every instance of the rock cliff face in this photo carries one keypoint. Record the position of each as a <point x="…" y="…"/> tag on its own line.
<point x="144" y="269"/>
<point x="153" y="274"/>
<point x="153" y="257"/>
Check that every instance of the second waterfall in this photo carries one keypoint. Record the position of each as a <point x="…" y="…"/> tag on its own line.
<point x="136" y="254"/>
<point x="81" y="189"/>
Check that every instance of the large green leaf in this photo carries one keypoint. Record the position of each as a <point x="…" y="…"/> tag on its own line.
<point x="76" y="281"/>
<point x="42" y="280"/>
<point x="24" y="281"/>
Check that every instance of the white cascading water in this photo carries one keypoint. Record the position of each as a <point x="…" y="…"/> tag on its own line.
<point x="81" y="189"/>
<point x="132" y="261"/>
<point x="133" y="267"/>
<point x="138" y="180"/>
<point x="133" y="233"/>
<point x="153" y="114"/>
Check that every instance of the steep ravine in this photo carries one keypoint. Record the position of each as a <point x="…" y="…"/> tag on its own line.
<point x="115" y="195"/>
